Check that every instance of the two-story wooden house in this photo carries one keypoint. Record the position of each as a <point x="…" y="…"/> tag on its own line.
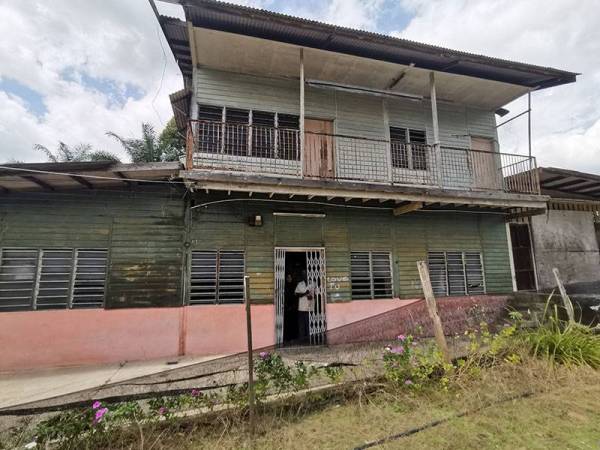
<point x="355" y="153"/>
<point x="347" y="154"/>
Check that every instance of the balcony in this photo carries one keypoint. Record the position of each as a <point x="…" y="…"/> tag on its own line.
<point x="221" y="147"/>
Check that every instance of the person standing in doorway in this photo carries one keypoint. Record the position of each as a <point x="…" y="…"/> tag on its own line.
<point x="290" y="318"/>
<point x="305" y="294"/>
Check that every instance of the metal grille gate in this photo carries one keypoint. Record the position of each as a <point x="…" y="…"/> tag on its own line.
<point x="315" y="272"/>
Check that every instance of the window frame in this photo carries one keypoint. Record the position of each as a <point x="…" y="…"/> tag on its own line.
<point x="405" y="152"/>
<point x="371" y="279"/>
<point x="217" y="298"/>
<point x="43" y="280"/>
<point x="467" y="290"/>
<point x="220" y="133"/>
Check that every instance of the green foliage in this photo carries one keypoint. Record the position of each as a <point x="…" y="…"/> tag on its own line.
<point x="274" y="375"/>
<point x="334" y="373"/>
<point x="78" y="153"/>
<point x="168" y="146"/>
<point x="564" y="342"/>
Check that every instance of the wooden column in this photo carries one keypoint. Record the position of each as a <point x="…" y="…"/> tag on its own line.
<point x="436" y="129"/>
<point x="302" y="112"/>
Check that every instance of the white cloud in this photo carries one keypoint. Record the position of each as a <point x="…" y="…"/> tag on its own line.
<point x="110" y="41"/>
<point x="564" y="34"/>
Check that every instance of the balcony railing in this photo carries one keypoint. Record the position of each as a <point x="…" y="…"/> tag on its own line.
<point x="260" y="150"/>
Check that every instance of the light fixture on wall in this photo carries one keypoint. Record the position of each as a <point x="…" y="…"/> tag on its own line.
<point x="255" y="220"/>
<point x="299" y="214"/>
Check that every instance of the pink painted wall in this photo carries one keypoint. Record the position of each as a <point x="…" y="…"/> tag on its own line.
<point x="37" y="339"/>
<point x="339" y="314"/>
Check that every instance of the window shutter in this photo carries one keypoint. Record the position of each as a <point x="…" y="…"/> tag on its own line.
<point x="231" y="277"/>
<point x="89" y="280"/>
<point x="381" y="274"/>
<point x="203" y="289"/>
<point x="54" y="279"/>
<point x="437" y="272"/>
<point x="474" y="270"/>
<point x="18" y="268"/>
<point x="456" y="273"/>
<point x="360" y="275"/>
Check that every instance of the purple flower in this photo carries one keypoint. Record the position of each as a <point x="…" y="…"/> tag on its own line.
<point x="408" y="382"/>
<point x="196" y="393"/>
<point x="100" y="414"/>
<point x="96" y="405"/>
<point x="264" y="355"/>
<point x="163" y="410"/>
<point x="398" y="350"/>
<point x="402" y="338"/>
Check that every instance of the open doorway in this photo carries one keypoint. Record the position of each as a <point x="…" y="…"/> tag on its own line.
<point x="522" y="256"/>
<point x="292" y="266"/>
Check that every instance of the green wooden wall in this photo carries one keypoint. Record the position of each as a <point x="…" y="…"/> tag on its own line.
<point x="343" y="230"/>
<point x="143" y="231"/>
<point x="148" y="239"/>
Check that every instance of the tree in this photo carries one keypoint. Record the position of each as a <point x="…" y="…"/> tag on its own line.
<point x="172" y="142"/>
<point x="169" y="146"/>
<point x="79" y="153"/>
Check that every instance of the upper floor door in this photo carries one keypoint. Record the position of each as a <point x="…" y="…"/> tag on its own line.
<point x="485" y="163"/>
<point x="318" y="149"/>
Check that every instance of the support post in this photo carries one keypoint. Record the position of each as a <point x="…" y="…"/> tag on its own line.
<point x="529" y="123"/>
<point x="302" y="112"/>
<point x="436" y="129"/>
<point x="250" y="359"/>
<point x="189" y="146"/>
<point x="568" y="304"/>
<point x="440" y="338"/>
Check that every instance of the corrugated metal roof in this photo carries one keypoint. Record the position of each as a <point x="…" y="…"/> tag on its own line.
<point x="558" y="182"/>
<point x="180" y="102"/>
<point x="264" y="24"/>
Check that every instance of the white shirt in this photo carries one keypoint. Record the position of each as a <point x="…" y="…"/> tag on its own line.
<point x="304" y="303"/>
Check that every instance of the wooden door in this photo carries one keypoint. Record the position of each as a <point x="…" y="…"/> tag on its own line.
<point x="318" y="149"/>
<point x="485" y="164"/>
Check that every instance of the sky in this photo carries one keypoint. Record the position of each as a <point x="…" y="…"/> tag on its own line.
<point x="72" y="70"/>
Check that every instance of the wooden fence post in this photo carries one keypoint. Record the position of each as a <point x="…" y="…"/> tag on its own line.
<point x="565" y="298"/>
<point x="250" y="359"/>
<point x="432" y="309"/>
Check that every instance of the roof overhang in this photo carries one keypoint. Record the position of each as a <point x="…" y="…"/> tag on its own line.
<point x="249" y="40"/>
<point x="180" y="102"/>
<point x="569" y="184"/>
<point x="31" y="177"/>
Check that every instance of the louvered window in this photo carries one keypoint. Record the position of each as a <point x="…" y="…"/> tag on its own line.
<point x="52" y="278"/>
<point x="371" y="275"/>
<point x="89" y="278"/>
<point x="456" y="273"/>
<point x="409" y="148"/>
<point x="217" y="277"/>
<point x="18" y="269"/>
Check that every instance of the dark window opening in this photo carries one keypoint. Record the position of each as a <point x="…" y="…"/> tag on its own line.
<point x="409" y="148"/>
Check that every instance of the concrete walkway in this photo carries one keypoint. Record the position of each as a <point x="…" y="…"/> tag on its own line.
<point x="29" y="387"/>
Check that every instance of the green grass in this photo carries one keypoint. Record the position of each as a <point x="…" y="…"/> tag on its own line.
<point x="562" y="413"/>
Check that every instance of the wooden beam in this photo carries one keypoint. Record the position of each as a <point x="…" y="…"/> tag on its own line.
<point x="359" y="191"/>
<point x="330" y="197"/>
<point x="82" y="181"/>
<point x="301" y="112"/>
<point x="412" y="206"/>
<point x="124" y="177"/>
<point x="37" y="181"/>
